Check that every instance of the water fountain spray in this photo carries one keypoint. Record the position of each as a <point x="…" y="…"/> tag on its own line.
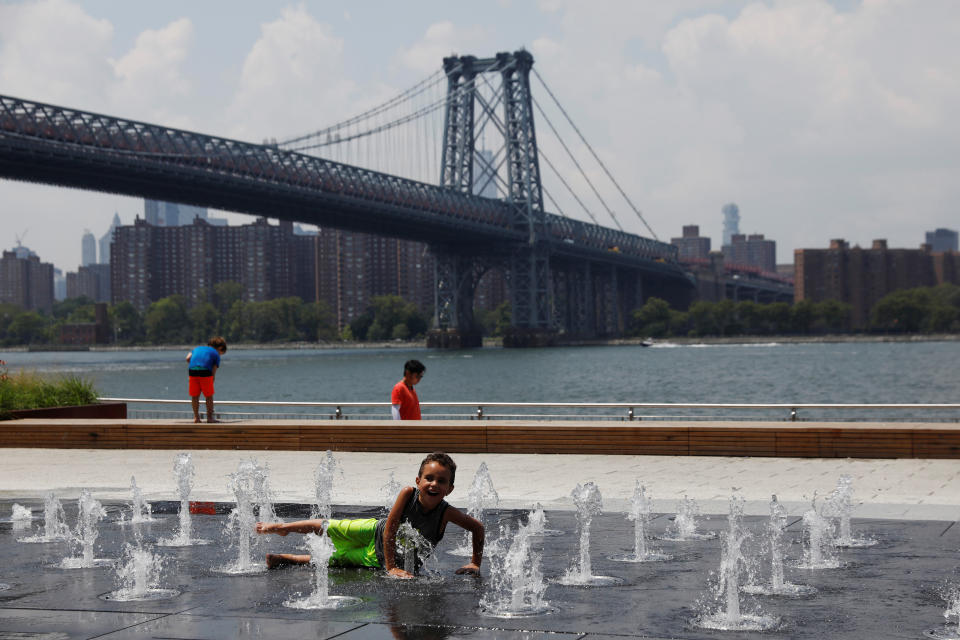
<point x="183" y="471"/>
<point x="323" y="486"/>
<point x="138" y="576"/>
<point x="89" y="513"/>
<point x="685" y="523"/>
<point x="778" y="586"/>
<point x="819" y="549"/>
<point x="240" y="524"/>
<point x="948" y="631"/>
<point x="840" y="505"/>
<point x="480" y="495"/>
<point x="589" y="503"/>
<point x="641" y="505"/>
<point x="141" y="509"/>
<point x="729" y="616"/>
<point x="516" y="585"/>
<point x="389" y="493"/>
<point x="321" y="550"/>
<point x="54" y="522"/>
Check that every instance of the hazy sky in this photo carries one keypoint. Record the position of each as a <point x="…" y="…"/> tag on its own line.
<point x="819" y="119"/>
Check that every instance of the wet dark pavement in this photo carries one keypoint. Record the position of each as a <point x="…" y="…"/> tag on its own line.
<point x="886" y="591"/>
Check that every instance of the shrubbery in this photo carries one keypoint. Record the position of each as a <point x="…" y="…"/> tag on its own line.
<point x="31" y="391"/>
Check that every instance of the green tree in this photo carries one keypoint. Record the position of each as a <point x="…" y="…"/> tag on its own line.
<point x="835" y="315"/>
<point x="702" y="321"/>
<point x="315" y="322"/>
<point x="902" y="311"/>
<point x="79" y="309"/>
<point x="390" y="313"/>
<point x="127" y="323"/>
<point x="652" y="319"/>
<point x="28" y="327"/>
<point x="205" y="322"/>
<point x="803" y="316"/>
<point x="167" y="321"/>
<point x="225" y="295"/>
<point x="778" y="317"/>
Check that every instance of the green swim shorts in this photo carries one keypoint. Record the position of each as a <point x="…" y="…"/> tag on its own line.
<point x="354" y="541"/>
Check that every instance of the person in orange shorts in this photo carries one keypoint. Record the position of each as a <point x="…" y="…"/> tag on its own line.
<point x="203" y="363"/>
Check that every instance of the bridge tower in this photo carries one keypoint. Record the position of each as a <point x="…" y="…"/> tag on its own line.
<point x="528" y="264"/>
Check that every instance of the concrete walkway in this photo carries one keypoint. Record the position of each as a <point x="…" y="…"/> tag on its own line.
<point x="904" y="489"/>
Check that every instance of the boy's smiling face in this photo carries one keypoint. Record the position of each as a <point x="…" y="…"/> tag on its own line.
<point x="434" y="484"/>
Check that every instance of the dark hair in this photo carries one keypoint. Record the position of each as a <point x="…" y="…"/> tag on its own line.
<point x="218" y="343"/>
<point x="441" y="458"/>
<point x="413" y="366"/>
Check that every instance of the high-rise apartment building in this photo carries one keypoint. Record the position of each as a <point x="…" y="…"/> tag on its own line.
<point x="942" y="240"/>
<point x="88" y="248"/>
<point x="25" y="281"/>
<point x="92" y="281"/>
<point x="107" y="238"/>
<point x="342" y="268"/>
<point x="753" y="251"/>
<point x="861" y="277"/>
<point x="355" y="267"/>
<point x="692" y="246"/>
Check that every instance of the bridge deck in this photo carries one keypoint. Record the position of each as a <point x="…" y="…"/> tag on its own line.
<point x="669" y="438"/>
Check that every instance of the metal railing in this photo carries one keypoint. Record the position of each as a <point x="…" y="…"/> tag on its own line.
<point x="625" y="411"/>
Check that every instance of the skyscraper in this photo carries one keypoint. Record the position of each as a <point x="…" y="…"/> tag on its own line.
<point x="107" y="238"/>
<point x="731" y="222"/>
<point x="88" y="249"/>
<point x="170" y="214"/>
<point x="942" y="240"/>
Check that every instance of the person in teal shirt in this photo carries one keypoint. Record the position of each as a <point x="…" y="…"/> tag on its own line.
<point x="203" y="365"/>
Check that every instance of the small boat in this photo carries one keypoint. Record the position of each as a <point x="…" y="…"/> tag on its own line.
<point x="647" y="342"/>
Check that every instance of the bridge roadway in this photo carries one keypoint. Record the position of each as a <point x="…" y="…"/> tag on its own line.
<point x="67" y="147"/>
<point x="900" y="470"/>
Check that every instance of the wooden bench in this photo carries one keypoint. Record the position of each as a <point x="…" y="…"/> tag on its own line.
<point x="671" y="438"/>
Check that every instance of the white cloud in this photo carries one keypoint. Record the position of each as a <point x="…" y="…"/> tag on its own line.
<point x="795" y="110"/>
<point x="293" y="80"/>
<point x="52" y="51"/>
<point x="442" y="39"/>
<point x="150" y="78"/>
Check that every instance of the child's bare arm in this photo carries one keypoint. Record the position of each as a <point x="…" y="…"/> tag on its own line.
<point x="283" y="528"/>
<point x="390" y="535"/>
<point x="475" y="527"/>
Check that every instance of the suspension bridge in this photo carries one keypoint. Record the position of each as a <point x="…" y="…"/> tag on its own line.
<point x="454" y="161"/>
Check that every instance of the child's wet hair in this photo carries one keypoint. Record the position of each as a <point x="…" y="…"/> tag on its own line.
<point x="441" y="458"/>
<point x="218" y="343"/>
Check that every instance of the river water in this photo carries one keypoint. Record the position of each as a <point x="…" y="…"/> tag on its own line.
<point x="852" y="372"/>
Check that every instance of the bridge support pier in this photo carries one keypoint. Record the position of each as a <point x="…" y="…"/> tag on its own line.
<point x="455" y="278"/>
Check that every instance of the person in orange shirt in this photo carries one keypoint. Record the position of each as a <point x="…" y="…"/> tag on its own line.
<point x="404" y="400"/>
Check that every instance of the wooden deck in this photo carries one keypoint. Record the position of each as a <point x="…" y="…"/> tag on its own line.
<point x="669" y="438"/>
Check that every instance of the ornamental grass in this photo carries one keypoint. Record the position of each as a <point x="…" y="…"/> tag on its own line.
<point x="31" y="391"/>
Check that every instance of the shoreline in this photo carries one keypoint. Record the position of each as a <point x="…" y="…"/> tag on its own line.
<point x="496" y="343"/>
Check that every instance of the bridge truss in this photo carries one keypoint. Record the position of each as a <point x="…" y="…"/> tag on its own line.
<point x="564" y="274"/>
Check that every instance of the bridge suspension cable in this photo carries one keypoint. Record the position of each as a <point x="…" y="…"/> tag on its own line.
<point x="404" y="96"/>
<point x="594" y="154"/>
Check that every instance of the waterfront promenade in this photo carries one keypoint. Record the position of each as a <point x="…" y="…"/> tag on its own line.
<point x="903" y="489"/>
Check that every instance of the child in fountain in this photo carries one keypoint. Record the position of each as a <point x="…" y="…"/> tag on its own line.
<point x="369" y="542"/>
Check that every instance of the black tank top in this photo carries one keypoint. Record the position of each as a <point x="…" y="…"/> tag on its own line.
<point x="428" y="523"/>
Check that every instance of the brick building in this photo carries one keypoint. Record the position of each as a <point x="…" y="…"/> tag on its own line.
<point x="92" y="281"/>
<point x="753" y="251"/>
<point x="861" y="277"/>
<point x="25" y="281"/>
<point x="344" y="269"/>
<point x="692" y="246"/>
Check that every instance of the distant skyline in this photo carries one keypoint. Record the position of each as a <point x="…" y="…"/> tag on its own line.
<point x="818" y="119"/>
